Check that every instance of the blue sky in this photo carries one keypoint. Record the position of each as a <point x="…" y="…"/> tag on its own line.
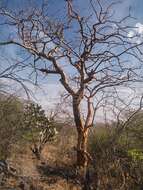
<point x="50" y="87"/>
<point x="81" y="4"/>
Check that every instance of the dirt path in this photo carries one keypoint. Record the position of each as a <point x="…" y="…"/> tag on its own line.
<point x="42" y="175"/>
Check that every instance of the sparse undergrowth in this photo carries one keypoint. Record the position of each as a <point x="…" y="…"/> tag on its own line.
<point x="115" y="166"/>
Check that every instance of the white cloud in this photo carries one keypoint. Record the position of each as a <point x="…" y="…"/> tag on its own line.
<point x="136" y="34"/>
<point x="139" y="28"/>
<point x="131" y="34"/>
<point x="48" y="95"/>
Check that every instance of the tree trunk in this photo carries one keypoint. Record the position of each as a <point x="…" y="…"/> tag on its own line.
<point x="82" y="158"/>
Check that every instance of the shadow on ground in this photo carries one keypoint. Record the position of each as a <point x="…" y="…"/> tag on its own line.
<point x="55" y="173"/>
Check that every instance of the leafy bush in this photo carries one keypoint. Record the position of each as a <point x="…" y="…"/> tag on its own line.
<point x="40" y="129"/>
<point x="137" y="155"/>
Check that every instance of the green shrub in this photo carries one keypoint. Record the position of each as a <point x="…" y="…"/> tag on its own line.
<point x="137" y="155"/>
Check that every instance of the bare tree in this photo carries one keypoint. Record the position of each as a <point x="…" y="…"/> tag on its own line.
<point x="90" y="54"/>
<point x="10" y="80"/>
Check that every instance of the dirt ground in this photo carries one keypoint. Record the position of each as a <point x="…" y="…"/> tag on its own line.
<point x="54" y="171"/>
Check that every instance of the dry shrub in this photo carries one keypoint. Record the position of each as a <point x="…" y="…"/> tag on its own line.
<point x="113" y="166"/>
